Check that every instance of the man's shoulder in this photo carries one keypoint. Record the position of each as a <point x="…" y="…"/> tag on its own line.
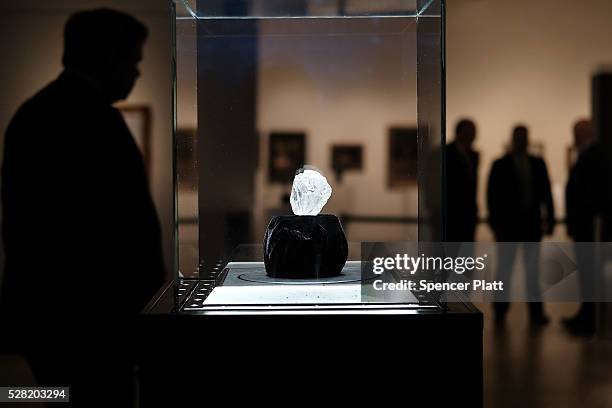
<point x="502" y="161"/>
<point x="593" y="159"/>
<point x="33" y="103"/>
<point x="45" y="96"/>
<point x="44" y="104"/>
<point x="594" y="152"/>
<point x="61" y="103"/>
<point x="537" y="161"/>
<point x="451" y="150"/>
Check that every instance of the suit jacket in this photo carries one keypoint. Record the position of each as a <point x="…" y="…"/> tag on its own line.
<point x="587" y="196"/>
<point x="581" y="197"/>
<point x="461" y="187"/>
<point x="509" y="221"/>
<point x="79" y="225"/>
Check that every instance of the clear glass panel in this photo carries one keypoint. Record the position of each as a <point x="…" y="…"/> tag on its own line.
<point x="185" y="145"/>
<point x="431" y="122"/>
<point x="266" y="86"/>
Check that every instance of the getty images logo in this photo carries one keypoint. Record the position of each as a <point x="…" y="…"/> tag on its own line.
<point x="411" y="264"/>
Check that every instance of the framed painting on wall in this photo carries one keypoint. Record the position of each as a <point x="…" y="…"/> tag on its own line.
<point x="346" y="157"/>
<point x="287" y="153"/>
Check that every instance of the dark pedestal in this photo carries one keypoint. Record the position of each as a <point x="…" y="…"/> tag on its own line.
<point x="304" y="247"/>
<point x="314" y="359"/>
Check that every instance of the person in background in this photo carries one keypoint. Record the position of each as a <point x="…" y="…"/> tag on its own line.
<point x="461" y="187"/>
<point x="581" y="207"/>
<point x="82" y="237"/>
<point x="518" y="189"/>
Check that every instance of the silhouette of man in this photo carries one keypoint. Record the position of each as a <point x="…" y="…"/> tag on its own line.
<point x="461" y="176"/>
<point x="82" y="237"/>
<point x="581" y="207"/>
<point x="517" y="190"/>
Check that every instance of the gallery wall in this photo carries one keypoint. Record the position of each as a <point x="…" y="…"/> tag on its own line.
<point x="31" y="52"/>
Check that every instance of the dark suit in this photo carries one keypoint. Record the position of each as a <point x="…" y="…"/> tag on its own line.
<point x="517" y="190"/>
<point x="510" y="220"/>
<point x="461" y="186"/>
<point x="82" y="238"/>
<point x="584" y="196"/>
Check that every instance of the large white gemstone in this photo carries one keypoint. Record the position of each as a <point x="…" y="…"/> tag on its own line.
<point x="309" y="193"/>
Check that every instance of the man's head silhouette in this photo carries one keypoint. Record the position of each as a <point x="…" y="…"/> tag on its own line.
<point x="105" y="46"/>
<point x="520" y="139"/>
<point x="465" y="133"/>
<point x="584" y="134"/>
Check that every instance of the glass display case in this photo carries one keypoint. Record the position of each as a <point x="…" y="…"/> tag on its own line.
<point x="354" y="88"/>
<point x="281" y="107"/>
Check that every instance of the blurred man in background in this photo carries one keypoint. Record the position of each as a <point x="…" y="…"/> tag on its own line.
<point x="83" y="249"/>
<point x="581" y="206"/>
<point x="518" y="189"/>
<point x="461" y="179"/>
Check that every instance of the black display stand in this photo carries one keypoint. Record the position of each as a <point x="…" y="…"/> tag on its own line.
<point x="384" y="357"/>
